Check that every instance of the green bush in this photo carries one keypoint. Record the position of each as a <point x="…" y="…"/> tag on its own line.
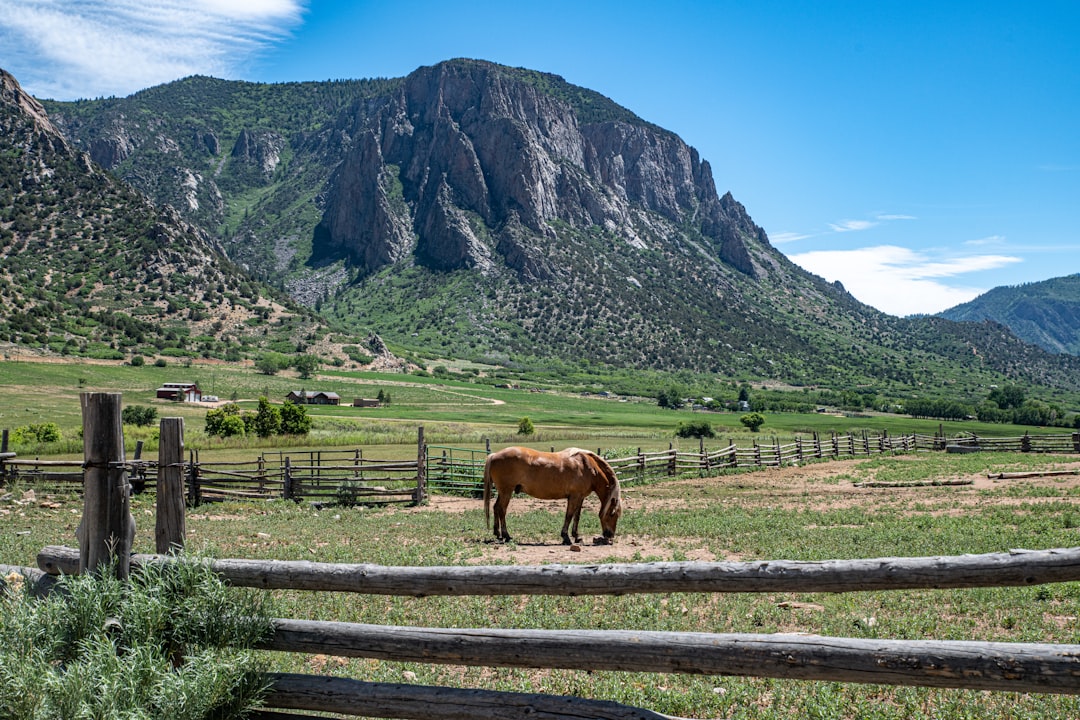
<point x="225" y="421"/>
<point x="753" y="421"/>
<point x="138" y="415"/>
<point x="525" y="427"/>
<point x="694" y="428"/>
<point x="36" y="433"/>
<point x="294" y="419"/>
<point x="101" y="648"/>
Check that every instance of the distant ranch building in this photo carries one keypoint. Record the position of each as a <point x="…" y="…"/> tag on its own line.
<point x="313" y="397"/>
<point x="366" y="402"/>
<point x="180" y="392"/>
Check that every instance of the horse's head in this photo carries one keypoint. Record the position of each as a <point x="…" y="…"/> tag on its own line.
<point x="610" y="500"/>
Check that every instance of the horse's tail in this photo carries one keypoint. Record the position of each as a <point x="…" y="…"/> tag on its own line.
<point x="487" y="492"/>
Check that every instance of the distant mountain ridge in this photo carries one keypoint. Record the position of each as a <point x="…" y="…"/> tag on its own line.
<point x="504" y="215"/>
<point x="1045" y="313"/>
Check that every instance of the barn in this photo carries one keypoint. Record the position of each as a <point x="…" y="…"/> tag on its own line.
<point x="180" y="392"/>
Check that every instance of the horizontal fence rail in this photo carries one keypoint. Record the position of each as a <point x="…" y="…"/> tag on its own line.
<point x="1019" y="667"/>
<point x="1015" y="568"/>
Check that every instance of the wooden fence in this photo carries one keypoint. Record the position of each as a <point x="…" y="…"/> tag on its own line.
<point x="106" y="539"/>
<point x="349" y="477"/>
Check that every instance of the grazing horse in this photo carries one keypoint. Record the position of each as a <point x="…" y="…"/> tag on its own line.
<point x="572" y="474"/>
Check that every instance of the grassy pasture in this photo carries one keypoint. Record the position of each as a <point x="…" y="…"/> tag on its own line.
<point x="805" y="513"/>
<point x="452" y="412"/>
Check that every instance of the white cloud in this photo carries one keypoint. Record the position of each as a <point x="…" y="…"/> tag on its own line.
<point x="989" y="240"/>
<point x="852" y="225"/>
<point x="896" y="217"/>
<point x="66" y="50"/>
<point x="899" y="280"/>
<point x="787" y="237"/>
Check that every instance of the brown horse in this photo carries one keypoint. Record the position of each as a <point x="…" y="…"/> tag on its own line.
<point x="573" y="474"/>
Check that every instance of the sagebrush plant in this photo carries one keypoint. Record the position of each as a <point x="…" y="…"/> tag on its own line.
<point x="172" y="641"/>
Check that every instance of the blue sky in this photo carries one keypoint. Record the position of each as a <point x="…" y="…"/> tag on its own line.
<point x="919" y="152"/>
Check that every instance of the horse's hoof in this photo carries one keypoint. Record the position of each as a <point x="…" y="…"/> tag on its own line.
<point x="601" y="541"/>
<point x="566" y="541"/>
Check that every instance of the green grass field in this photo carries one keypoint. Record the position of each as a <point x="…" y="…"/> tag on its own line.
<point x="456" y="413"/>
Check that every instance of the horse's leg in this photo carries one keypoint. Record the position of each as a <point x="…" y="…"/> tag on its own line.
<point x="573" y="513"/>
<point x="501" y="503"/>
<point x="577" y="517"/>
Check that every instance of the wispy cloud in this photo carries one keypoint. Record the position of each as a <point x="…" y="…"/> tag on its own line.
<point x="989" y="240"/>
<point x="852" y="225"/>
<point x="787" y="237"/>
<point x="898" y="280"/>
<point x="65" y="50"/>
<point x="888" y="217"/>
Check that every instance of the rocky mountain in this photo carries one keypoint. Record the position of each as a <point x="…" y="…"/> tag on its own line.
<point x="1044" y="313"/>
<point x="90" y="266"/>
<point x="504" y="215"/>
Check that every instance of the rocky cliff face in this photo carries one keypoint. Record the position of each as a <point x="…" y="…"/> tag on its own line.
<point x="467" y="164"/>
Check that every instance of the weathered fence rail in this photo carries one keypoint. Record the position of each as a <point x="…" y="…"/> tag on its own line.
<point x="1011" y="569"/>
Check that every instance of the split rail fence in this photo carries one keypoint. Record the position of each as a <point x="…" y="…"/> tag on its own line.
<point x="107" y="536"/>
<point x="349" y="477"/>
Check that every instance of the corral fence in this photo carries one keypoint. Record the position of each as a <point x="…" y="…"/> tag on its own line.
<point x="106" y="538"/>
<point x="349" y="477"/>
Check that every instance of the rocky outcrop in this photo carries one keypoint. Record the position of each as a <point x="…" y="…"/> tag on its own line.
<point x="110" y="150"/>
<point x="469" y="164"/>
<point x="261" y="149"/>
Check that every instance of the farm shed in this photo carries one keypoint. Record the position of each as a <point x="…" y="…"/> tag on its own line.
<point x="180" y="391"/>
<point x="313" y="397"/>
<point x="366" y="402"/>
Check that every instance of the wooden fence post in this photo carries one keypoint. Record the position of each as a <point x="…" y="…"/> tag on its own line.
<point x="1025" y="443"/>
<point x="107" y="528"/>
<point x="194" y="491"/>
<point x="4" y="455"/>
<point x="421" y="467"/>
<point x="1075" y="441"/>
<point x="672" y="459"/>
<point x="287" y="489"/>
<point x="170" y="531"/>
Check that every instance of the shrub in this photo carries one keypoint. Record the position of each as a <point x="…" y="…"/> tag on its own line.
<point x="36" y="433"/>
<point x="137" y="361"/>
<point x="270" y="363"/>
<point x="98" y="647"/>
<point x="138" y="415"/>
<point x="753" y="421"/>
<point x="525" y="427"/>
<point x="161" y="362"/>
<point x="225" y="421"/>
<point x="694" y="428"/>
<point x="294" y="419"/>
<point x="267" y="419"/>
